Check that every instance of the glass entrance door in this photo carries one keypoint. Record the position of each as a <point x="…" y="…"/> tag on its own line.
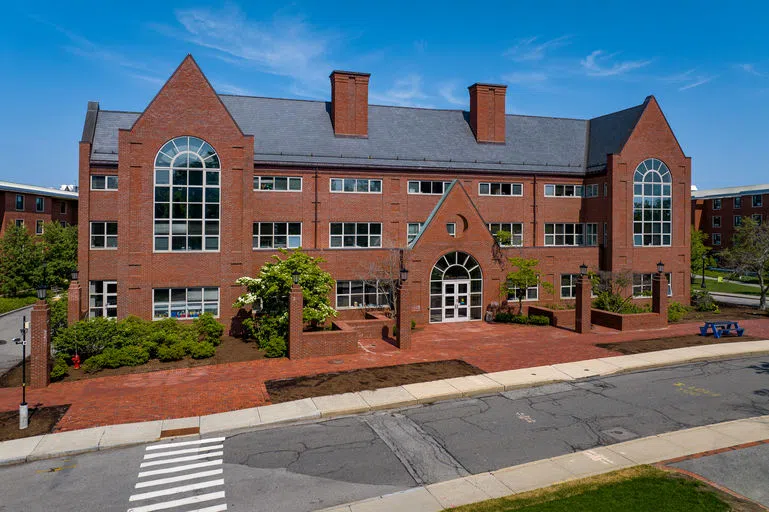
<point x="456" y="300"/>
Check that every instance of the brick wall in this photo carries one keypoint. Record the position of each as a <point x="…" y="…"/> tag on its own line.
<point x="704" y="212"/>
<point x="51" y="210"/>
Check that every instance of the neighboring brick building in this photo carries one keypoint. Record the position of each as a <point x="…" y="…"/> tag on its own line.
<point x="201" y="189"/>
<point x="718" y="211"/>
<point x="33" y="206"/>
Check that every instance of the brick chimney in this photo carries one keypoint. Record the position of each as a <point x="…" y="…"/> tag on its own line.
<point x="349" y="103"/>
<point x="487" y="112"/>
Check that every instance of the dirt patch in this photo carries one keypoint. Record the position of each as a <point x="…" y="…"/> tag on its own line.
<point x="726" y="313"/>
<point x="285" y="390"/>
<point x="231" y="350"/>
<point x="41" y="421"/>
<point x="690" y="340"/>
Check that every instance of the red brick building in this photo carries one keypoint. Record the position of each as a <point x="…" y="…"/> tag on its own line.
<point x="203" y="187"/>
<point x="32" y="206"/>
<point x="717" y="212"/>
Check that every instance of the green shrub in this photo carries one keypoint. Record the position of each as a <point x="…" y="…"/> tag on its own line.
<point x="504" y="318"/>
<point x="173" y="352"/>
<point x="60" y="368"/>
<point x="274" y="347"/>
<point x="208" y="328"/>
<point x="413" y="325"/>
<point x="519" y="319"/>
<point x="87" y="338"/>
<point x="10" y="303"/>
<point x="395" y="330"/>
<point x="676" y="311"/>
<point x="59" y="313"/>
<point x="202" y="350"/>
<point x="702" y="301"/>
<point x="249" y="328"/>
<point x="93" y="364"/>
<point x="133" y="356"/>
<point x="539" y="320"/>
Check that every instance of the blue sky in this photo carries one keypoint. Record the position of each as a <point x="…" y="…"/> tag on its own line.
<point x="708" y="67"/>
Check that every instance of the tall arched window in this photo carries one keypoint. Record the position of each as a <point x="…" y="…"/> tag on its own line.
<point x="652" y="204"/>
<point x="187" y="200"/>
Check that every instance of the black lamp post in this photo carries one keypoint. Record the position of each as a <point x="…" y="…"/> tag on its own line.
<point x="660" y="267"/>
<point x="23" y="409"/>
<point x="583" y="270"/>
<point x="41" y="290"/>
<point x="704" y="258"/>
<point x="75" y="275"/>
<point x="404" y="275"/>
<point x="295" y="276"/>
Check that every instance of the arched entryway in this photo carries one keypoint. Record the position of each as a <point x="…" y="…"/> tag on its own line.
<point x="456" y="289"/>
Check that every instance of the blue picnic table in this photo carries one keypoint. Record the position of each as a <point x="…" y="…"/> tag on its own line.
<point x="719" y="328"/>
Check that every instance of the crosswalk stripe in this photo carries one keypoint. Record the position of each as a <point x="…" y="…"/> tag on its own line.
<point x="197" y="449"/>
<point x="180" y="459"/>
<point x="176" y="469"/>
<point x="180" y="478"/>
<point x="185" y="443"/>
<point x="177" y="503"/>
<point x="177" y="490"/>
<point x="215" y="508"/>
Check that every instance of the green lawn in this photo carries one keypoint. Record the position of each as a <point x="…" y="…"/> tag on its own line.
<point x="728" y="287"/>
<point x="638" y="489"/>
<point x="727" y="275"/>
<point x="10" y="303"/>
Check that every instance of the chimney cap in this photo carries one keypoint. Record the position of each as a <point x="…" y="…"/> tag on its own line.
<point x="481" y="84"/>
<point x="341" y="72"/>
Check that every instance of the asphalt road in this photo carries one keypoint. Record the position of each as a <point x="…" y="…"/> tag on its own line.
<point x="321" y="464"/>
<point x="10" y="353"/>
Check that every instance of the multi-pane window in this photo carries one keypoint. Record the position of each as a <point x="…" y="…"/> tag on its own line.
<point x="591" y="190"/>
<point x="187" y="201"/>
<point x="278" y="183"/>
<point x="39" y="204"/>
<point x="277" y="235"/>
<point x="363" y="294"/>
<point x="642" y="284"/>
<point x="716" y="204"/>
<point x="737" y="202"/>
<point x="532" y="293"/>
<point x="451" y="228"/>
<point x="500" y="189"/>
<point x="19" y="223"/>
<point x="428" y="187"/>
<point x="737" y="220"/>
<point x="103" y="235"/>
<point x="355" y="234"/>
<point x="758" y="201"/>
<point x="591" y="233"/>
<point x="716" y="221"/>
<point x="563" y="190"/>
<point x="62" y="207"/>
<point x="19" y="202"/>
<point x="184" y="302"/>
<point x="716" y="238"/>
<point x="652" y="204"/>
<point x="515" y="229"/>
<point x="356" y="185"/>
<point x="104" y="182"/>
<point x="564" y="234"/>
<point x="102" y="299"/>
<point x="756" y="217"/>
<point x="62" y="224"/>
<point x="413" y="230"/>
<point x="569" y="285"/>
<point x="38" y="227"/>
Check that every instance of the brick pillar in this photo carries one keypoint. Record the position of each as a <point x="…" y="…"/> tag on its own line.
<point x="73" y="302"/>
<point x="40" y="355"/>
<point x="403" y="324"/>
<point x="584" y="304"/>
<point x="660" y="296"/>
<point x="295" y="322"/>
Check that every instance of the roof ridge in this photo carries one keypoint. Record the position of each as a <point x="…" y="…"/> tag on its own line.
<point x="618" y="111"/>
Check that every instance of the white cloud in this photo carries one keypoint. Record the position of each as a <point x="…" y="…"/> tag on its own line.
<point x="530" y="49"/>
<point x="690" y="79"/>
<point x="699" y="81"/>
<point x="448" y="92"/>
<point x="599" y="63"/>
<point x="226" y="88"/>
<point x="405" y="92"/>
<point x="525" y="77"/>
<point x="750" y="69"/>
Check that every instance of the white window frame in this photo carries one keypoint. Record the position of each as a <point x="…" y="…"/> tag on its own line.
<point x="716" y="238"/>
<point x="107" y="308"/>
<point x="757" y="217"/>
<point x="105" y="236"/>
<point x="759" y="202"/>
<point x="643" y="286"/>
<point x="737" y="202"/>
<point x="355" y="235"/>
<point x="652" y="190"/>
<point x="39" y="226"/>
<point x="716" y="204"/>
<point x="516" y="239"/>
<point x="410" y="237"/>
<point x="41" y="201"/>
<point x="258" y="237"/>
<point x="451" y="229"/>
<point x="512" y="293"/>
<point x="716" y="221"/>
<point x="383" y="298"/>
<point x="16" y="202"/>
<point x="356" y="185"/>
<point x="19" y="223"/>
<point x="265" y="181"/>
<point x="552" y="189"/>
<point x="737" y="220"/>
<point x="591" y="239"/>
<point x="572" y="285"/>
<point x="110" y="182"/>
<point x="579" y="238"/>
<point x="490" y="187"/>
<point x="591" y="190"/>
<point x="206" y="305"/>
<point x="432" y="186"/>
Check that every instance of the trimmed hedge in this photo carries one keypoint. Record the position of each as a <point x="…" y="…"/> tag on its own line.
<point x="508" y="318"/>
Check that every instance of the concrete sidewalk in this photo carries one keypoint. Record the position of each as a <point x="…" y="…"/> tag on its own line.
<point x="106" y="437"/>
<point x="573" y="466"/>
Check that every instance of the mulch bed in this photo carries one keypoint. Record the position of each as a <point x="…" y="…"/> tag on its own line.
<point x="231" y="350"/>
<point x="691" y="340"/>
<point x="285" y="390"/>
<point x="726" y="312"/>
<point x="41" y="421"/>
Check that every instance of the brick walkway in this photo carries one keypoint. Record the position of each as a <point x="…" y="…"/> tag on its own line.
<point x="212" y="389"/>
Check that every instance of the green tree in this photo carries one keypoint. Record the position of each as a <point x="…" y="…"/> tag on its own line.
<point x="59" y="246"/>
<point x="525" y="276"/>
<point x="698" y="250"/>
<point x="20" y="260"/>
<point x="749" y="254"/>
<point x="271" y="290"/>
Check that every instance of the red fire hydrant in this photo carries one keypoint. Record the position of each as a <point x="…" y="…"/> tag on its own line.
<point x="76" y="361"/>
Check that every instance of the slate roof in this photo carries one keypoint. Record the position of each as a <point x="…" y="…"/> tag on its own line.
<point x="300" y="132"/>
<point x="7" y="186"/>
<point x="716" y="193"/>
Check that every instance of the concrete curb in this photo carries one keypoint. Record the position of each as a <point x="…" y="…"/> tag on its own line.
<point x="309" y="409"/>
<point x="573" y="466"/>
<point x="15" y="310"/>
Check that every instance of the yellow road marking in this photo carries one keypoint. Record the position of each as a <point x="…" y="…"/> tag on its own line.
<point x="694" y="390"/>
